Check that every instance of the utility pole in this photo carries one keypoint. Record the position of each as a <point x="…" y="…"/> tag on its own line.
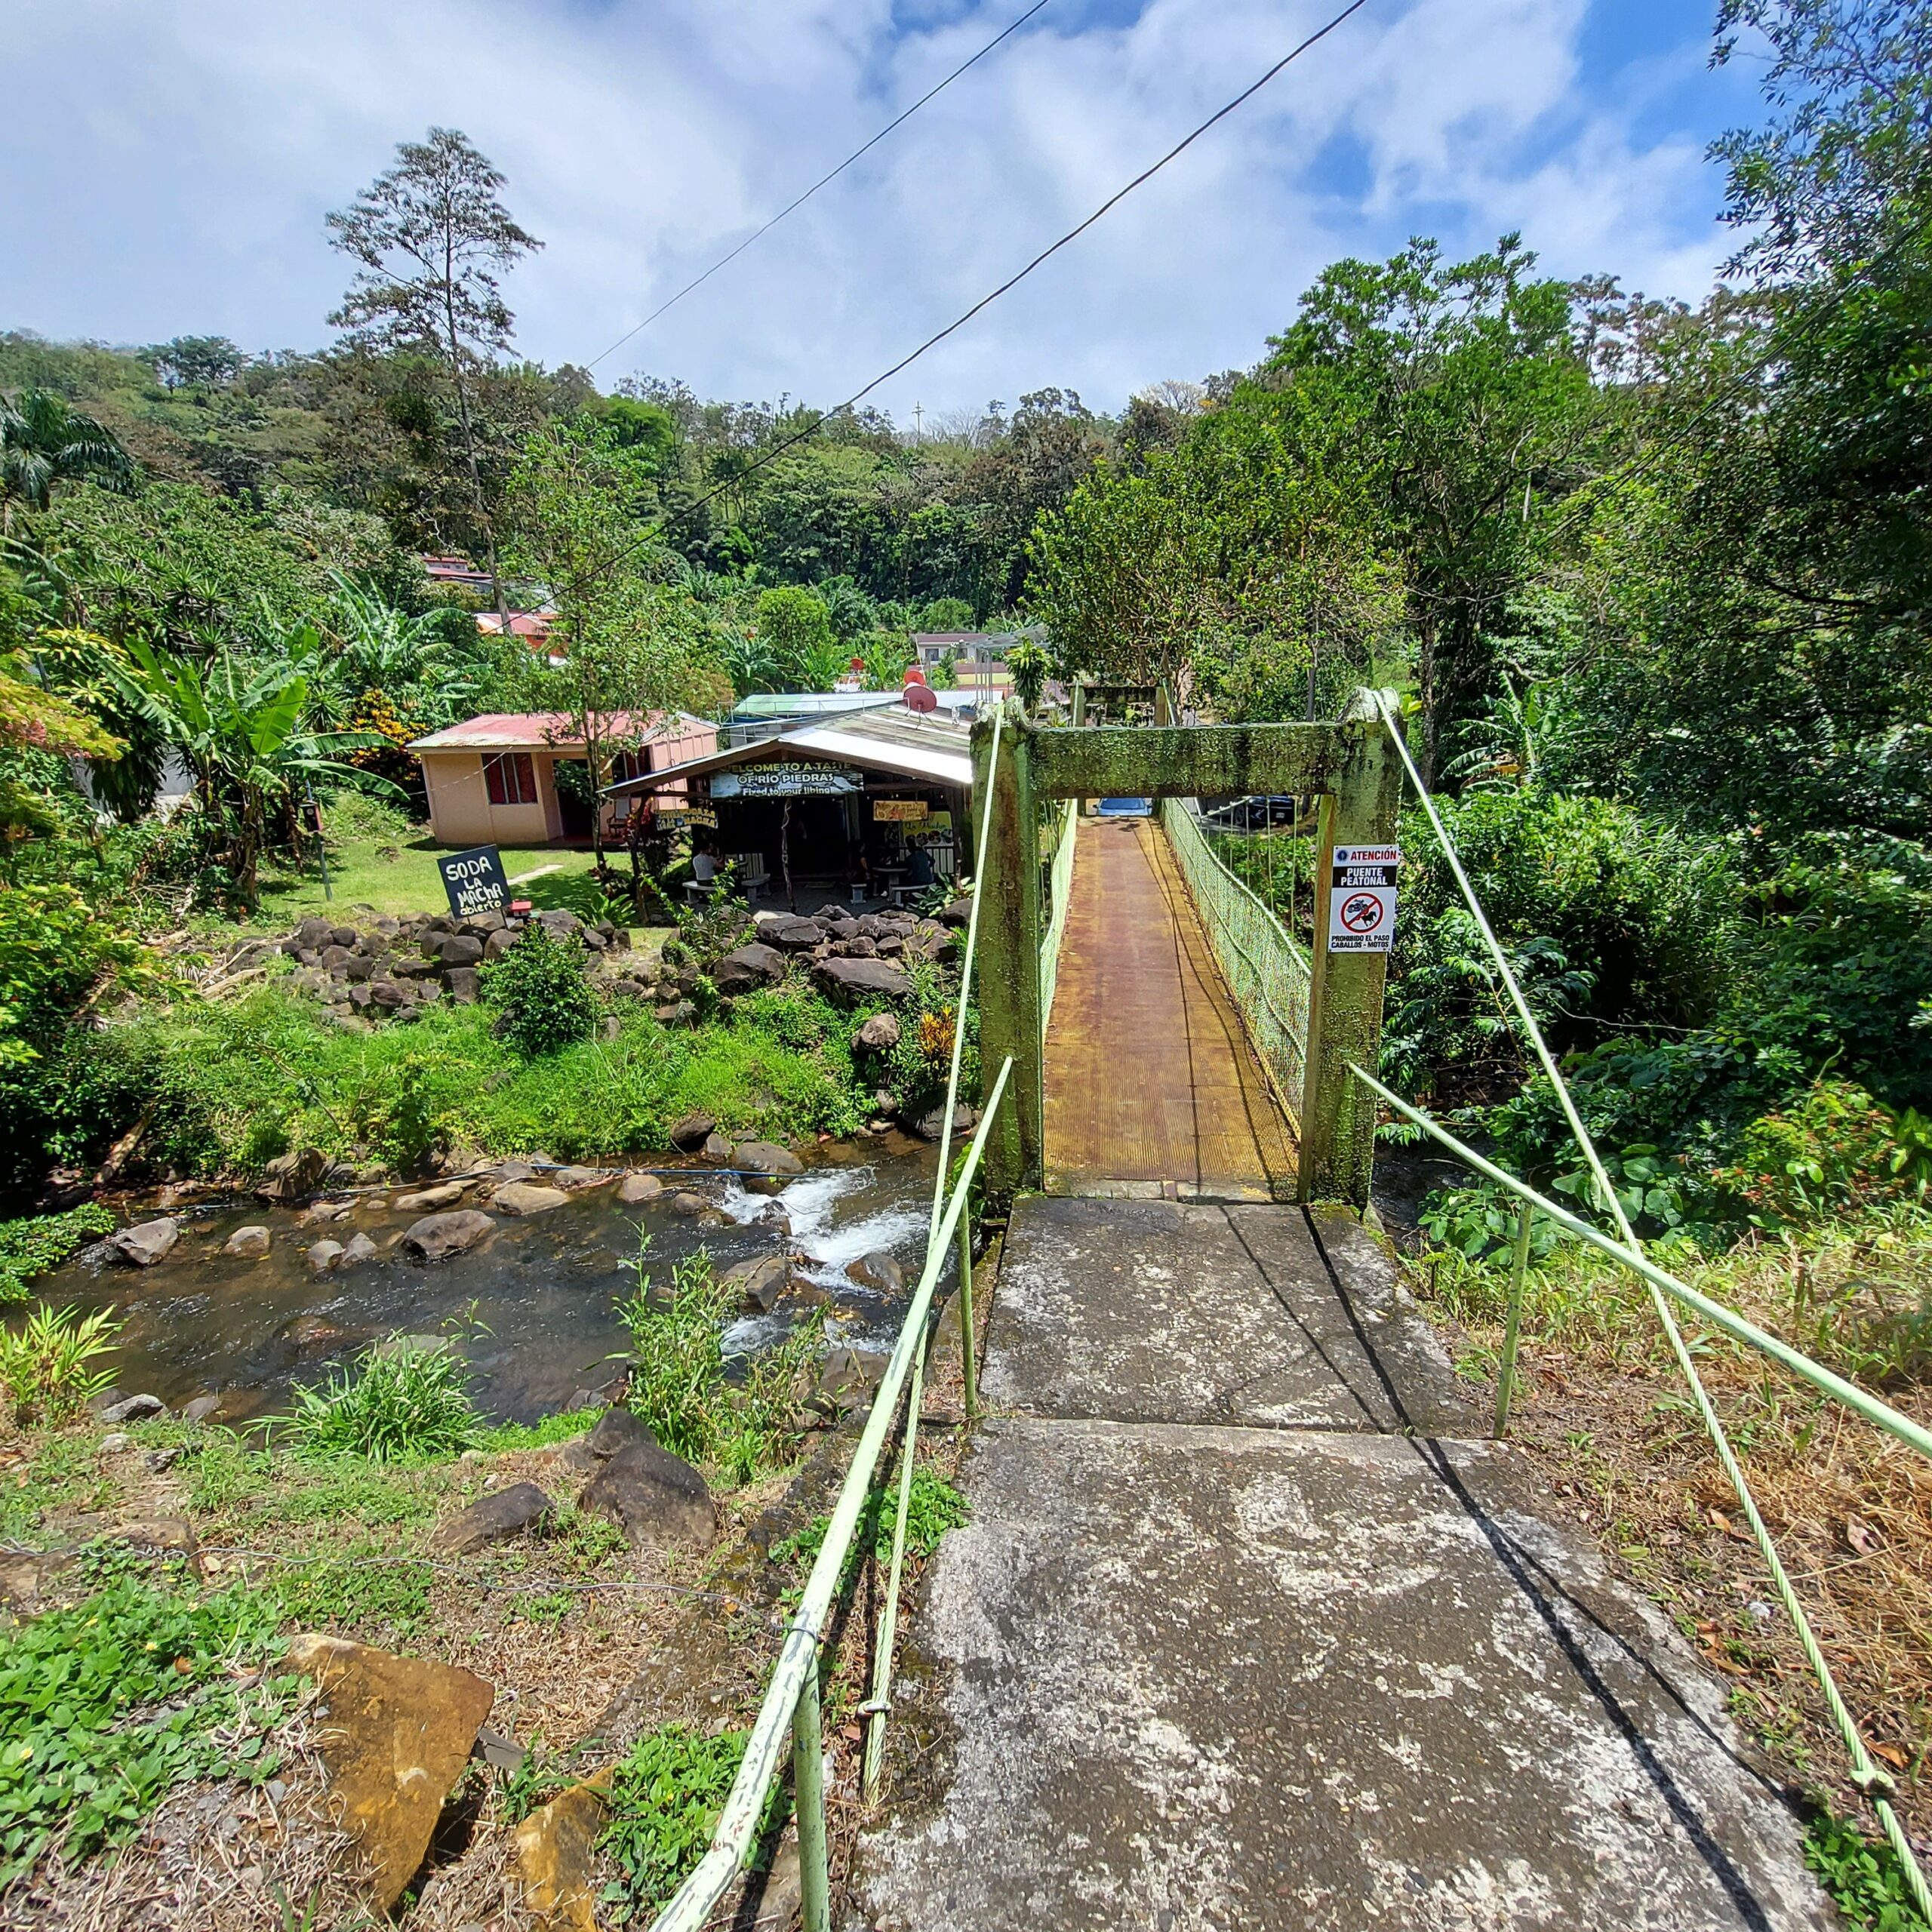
<point x="919" y="422"/>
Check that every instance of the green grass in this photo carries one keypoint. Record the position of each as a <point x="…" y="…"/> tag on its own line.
<point x="392" y="1405"/>
<point x="233" y="1084"/>
<point x="678" y="1390"/>
<point x="106" y="1707"/>
<point x="934" y="1507"/>
<point x="394" y="870"/>
<point x="666" y="1796"/>
<point x="503" y="1438"/>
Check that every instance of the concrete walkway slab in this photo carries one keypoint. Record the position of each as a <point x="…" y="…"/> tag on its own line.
<point x="1182" y="1678"/>
<point x="1147" y="1311"/>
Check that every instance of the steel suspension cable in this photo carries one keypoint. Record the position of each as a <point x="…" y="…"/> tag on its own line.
<point x="880" y="1702"/>
<point x="1875" y="1783"/>
<point x="775" y="450"/>
<point x="824" y="181"/>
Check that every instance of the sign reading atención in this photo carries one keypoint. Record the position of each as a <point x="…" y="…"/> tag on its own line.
<point x="1361" y="898"/>
<point x="474" y="881"/>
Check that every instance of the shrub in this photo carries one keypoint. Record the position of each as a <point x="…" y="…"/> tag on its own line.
<point x="396" y="1403"/>
<point x="46" y="1363"/>
<point x="540" y="987"/>
<point x="677" y="1389"/>
<point x="1832" y="1150"/>
<point x="664" y="1799"/>
<point x="31" y="1246"/>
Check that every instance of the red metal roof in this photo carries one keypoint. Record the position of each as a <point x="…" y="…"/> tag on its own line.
<point x="543" y="730"/>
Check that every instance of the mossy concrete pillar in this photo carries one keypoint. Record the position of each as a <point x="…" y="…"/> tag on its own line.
<point x="1361" y="807"/>
<point x="1009" y="949"/>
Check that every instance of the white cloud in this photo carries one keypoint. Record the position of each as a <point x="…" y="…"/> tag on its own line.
<point x="169" y="168"/>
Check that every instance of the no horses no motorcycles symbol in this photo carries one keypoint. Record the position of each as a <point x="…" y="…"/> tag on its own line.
<point x="1361" y="898"/>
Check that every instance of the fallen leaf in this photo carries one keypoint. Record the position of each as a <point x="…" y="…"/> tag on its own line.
<point x="1892" y="1754"/>
<point x="1719" y="1521"/>
<point x="1861" y="1536"/>
<point x="852" y="1733"/>
<point x="1705" y="1627"/>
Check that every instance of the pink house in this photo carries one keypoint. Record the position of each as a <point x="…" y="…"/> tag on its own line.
<point x="492" y="780"/>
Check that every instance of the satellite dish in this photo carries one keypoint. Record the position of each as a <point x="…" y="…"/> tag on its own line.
<point x="918" y="698"/>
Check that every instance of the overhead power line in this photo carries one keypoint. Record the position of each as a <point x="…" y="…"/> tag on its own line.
<point x="1146" y="174"/>
<point x="792" y="207"/>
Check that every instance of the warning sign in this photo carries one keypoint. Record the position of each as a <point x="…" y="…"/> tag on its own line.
<point x="1361" y="898"/>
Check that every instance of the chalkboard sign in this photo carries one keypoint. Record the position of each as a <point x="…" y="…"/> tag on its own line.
<point x="474" y="881"/>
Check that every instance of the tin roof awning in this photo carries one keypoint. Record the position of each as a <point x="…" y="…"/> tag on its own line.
<point x="892" y="740"/>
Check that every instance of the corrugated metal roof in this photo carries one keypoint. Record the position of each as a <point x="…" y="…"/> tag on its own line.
<point x="537" y="731"/>
<point x="928" y="749"/>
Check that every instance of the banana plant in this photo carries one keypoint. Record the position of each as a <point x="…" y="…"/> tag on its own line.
<point x="244" y="732"/>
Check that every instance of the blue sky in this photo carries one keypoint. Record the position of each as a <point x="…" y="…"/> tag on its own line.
<point x="169" y="168"/>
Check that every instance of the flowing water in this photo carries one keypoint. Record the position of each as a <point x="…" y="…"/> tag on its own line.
<point x="532" y="1309"/>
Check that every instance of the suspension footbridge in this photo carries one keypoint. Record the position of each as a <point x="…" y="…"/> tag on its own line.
<point x="1257" y="1622"/>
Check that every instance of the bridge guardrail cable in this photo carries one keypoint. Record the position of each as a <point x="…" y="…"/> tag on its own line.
<point x="1256" y="951"/>
<point x="791" y="1701"/>
<point x="1875" y="1783"/>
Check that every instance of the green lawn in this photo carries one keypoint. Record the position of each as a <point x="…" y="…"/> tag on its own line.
<point x="388" y="873"/>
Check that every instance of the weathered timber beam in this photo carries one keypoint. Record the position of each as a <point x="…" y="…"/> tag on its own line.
<point x="1190" y="762"/>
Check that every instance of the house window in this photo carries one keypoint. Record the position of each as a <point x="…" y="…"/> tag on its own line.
<point x="512" y="779"/>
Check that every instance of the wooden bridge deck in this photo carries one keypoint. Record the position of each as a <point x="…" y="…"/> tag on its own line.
<point x="1151" y="1086"/>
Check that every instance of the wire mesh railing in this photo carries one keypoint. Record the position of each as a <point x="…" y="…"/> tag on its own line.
<point x="791" y="1706"/>
<point x="1665" y="1289"/>
<point x="1267" y="971"/>
<point x="1059" y="892"/>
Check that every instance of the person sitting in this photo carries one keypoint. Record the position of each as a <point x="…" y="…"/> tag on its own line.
<point x="704" y="865"/>
<point x="919" y="867"/>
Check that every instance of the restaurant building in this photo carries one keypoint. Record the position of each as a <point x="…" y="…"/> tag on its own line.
<point x="864" y="805"/>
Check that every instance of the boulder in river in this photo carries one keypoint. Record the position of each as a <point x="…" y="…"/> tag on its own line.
<point x="324" y="1256"/>
<point x="436" y="1237"/>
<point x="759" y="1282"/>
<point x="527" y="1197"/>
<point x="143" y="1245"/>
<point x="635" y="1188"/>
<point x="878" y="1272"/>
<point x="689" y="1132"/>
<point x="765" y="1157"/>
<point x="428" y="1200"/>
<point x="248" y="1243"/>
<point x="358" y="1248"/>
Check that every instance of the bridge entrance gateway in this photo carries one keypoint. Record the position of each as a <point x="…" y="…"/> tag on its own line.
<point x="1146" y="1079"/>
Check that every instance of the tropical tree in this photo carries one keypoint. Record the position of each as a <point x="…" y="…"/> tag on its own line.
<point x="796" y="629"/>
<point x="627" y="638"/>
<point x="432" y="237"/>
<point x="243" y="730"/>
<point x="44" y="441"/>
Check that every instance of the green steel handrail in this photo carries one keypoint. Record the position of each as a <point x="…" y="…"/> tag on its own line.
<point x="1740" y="1328"/>
<point x="791" y="1700"/>
<point x="1875" y="1783"/>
